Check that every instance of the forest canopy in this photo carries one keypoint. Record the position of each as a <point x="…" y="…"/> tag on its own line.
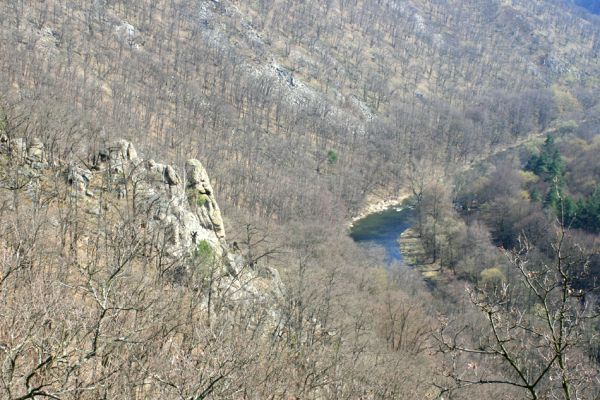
<point x="117" y="279"/>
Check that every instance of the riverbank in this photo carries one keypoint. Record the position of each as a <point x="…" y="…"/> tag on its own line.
<point x="376" y="203"/>
<point x="388" y="224"/>
<point x="411" y="247"/>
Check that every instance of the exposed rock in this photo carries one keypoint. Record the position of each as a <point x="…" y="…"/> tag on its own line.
<point x="159" y="194"/>
<point x="185" y="214"/>
<point x="171" y="176"/>
<point x="122" y="150"/>
<point x="17" y="147"/>
<point x="49" y="40"/>
<point x="198" y="185"/>
<point x="155" y="172"/>
<point x="115" y="154"/>
<point x="286" y="75"/>
<point x="78" y="178"/>
<point x="35" y="152"/>
<point x="129" y="35"/>
<point x="172" y="234"/>
<point x="131" y="152"/>
<point x="197" y="176"/>
<point x="181" y="221"/>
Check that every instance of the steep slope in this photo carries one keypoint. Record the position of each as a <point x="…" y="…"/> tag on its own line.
<point x="263" y="90"/>
<point x="171" y="216"/>
<point x="116" y="278"/>
<point x="116" y="281"/>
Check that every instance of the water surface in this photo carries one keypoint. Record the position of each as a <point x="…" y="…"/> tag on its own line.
<point x="384" y="229"/>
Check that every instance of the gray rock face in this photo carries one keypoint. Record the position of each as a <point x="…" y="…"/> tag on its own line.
<point x="158" y="192"/>
<point x="171" y="177"/>
<point x="35" y="151"/>
<point x="201" y="192"/>
<point x="286" y="74"/>
<point x="78" y="178"/>
<point x="32" y="154"/>
<point x="115" y="154"/>
<point x="183" y="215"/>
<point x="122" y="150"/>
<point x="166" y="204"/>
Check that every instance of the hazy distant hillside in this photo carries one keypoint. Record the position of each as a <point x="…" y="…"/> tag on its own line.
<point x="264" y="90"/>
<point x="591" y="5"/>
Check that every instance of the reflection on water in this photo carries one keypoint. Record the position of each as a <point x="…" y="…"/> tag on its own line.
<point x="384" y="229"/>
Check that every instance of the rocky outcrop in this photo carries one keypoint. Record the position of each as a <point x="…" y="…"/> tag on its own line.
<point x="115" y="155"/>
<point x="78" y="178"/>
<point x="186" y="214"/>
<point x="35" y="150"/>
<point x="122" y="150"/>
<point x="17" y="147"/>
<point x="201" y="193"/>
<point x="171" y="177"/>
<point x="172" y="209"/>
<point x="31" y="152"/>
<point x="179" y="205"/>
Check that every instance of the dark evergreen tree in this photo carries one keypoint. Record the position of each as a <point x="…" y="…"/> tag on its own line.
<point x="549" y="164"/>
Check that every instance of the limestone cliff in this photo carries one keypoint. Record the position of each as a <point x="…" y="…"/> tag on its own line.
<point x="174" y="209"/>
<point x="179" y="203"/>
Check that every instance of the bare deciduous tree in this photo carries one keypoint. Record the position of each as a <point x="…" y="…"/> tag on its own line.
<point x="535" y="336"/>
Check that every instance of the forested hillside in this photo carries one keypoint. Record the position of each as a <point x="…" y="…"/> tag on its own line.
<point x="117" y="279"/>
<point x="263" y="90"/>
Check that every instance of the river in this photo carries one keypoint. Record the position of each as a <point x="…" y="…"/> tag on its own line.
<point x="384" y="229"/>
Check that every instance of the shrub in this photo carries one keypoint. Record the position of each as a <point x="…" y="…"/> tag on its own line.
<point x="332" y="156"/>
<point x="491" y="277"/>
<point x="201" y="200"/>
<point x="204" y="251"/>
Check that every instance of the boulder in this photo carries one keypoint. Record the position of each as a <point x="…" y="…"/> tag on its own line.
<point x="122" y="150"/>
<point x="131" y="153"/>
